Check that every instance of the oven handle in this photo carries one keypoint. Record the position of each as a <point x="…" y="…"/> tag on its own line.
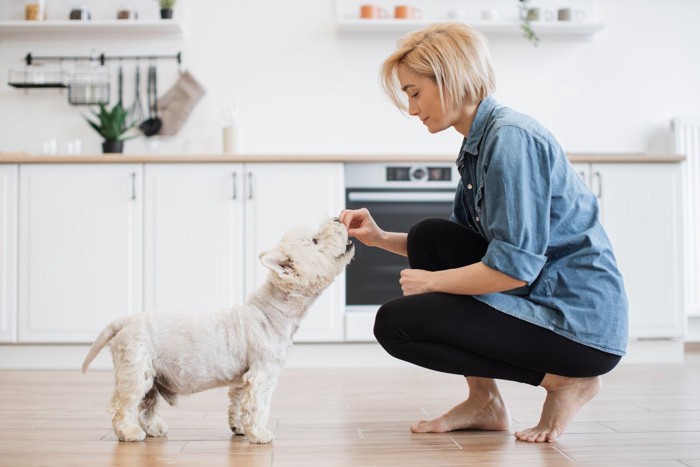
<point x="412" y="197"/>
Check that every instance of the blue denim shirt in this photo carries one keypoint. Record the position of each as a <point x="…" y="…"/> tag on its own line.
<point x="519" y="191"/>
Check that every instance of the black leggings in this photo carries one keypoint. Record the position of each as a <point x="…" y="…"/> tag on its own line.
<point x="461" y="335"/>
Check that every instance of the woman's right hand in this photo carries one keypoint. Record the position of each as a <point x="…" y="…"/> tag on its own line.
<point x="360" y="225"/>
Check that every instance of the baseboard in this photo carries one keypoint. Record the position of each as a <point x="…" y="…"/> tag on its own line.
<point x="342" y="355"/>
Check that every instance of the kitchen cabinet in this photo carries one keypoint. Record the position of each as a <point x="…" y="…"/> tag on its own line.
<point x="207" y="223"/>
<point x="81" y="250"/>
<point x="640" y="208"/>
<point x="8" y="252"/>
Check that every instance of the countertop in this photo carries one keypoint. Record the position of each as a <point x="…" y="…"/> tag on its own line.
<point x="22" y="158"/>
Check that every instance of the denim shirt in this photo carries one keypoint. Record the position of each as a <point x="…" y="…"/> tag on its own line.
<point x="519" y="192"/>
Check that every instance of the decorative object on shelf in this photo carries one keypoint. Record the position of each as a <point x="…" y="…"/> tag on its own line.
<point x="81" y="14"/>
<point x="127" y="13"/>
<point x="407" y="12"/>
<point x="112" y="126"/>
<point x="373" y="12"/>
<point x="570" y="14"/>
<point x="166" y="8"/>
<point x="526" y="25"/>
<point x="35" y="10"/>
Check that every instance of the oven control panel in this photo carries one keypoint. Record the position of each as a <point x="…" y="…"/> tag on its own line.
<point x="417" y="173"/>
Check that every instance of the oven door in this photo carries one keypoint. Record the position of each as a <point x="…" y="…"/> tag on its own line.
<point x="373" y="276"/>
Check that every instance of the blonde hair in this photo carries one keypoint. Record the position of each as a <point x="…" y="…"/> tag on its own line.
<point x="454" y="55"/>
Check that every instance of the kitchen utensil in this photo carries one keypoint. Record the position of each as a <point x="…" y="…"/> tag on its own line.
<point x="120" y="86"/>
<point x="135" y="115"/>
<point x="151" y="126"/>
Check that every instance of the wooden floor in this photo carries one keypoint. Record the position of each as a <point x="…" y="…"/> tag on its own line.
<point x="646" y="415"/>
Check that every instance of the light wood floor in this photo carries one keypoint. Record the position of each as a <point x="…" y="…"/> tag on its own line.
<point x="646" y="415"/>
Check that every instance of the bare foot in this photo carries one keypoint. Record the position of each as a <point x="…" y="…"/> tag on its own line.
<point x="565" y="397"/>
<point x="473" y="414"/>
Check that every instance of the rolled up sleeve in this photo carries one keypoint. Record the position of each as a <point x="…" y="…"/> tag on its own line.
<point x="517" y="201"/>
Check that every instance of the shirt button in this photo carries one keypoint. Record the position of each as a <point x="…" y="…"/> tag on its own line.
<point x="469" y="186"/>
<point x="477" y="218"/>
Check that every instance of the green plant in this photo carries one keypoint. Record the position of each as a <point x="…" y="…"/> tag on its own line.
<point x="528" y="33"/>
<point x="111" y="124"/>
<point x="166" y="4"/>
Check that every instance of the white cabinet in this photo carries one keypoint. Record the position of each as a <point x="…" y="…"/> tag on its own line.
<point x="193" y="236"/>
<point x="279" y="196"/>
<point x="81" y="249"/>
<point x="640" y="208"/>
<point x="207" y="223"/>
<point x="8" y="253"/>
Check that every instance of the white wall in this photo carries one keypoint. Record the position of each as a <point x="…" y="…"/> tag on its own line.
<point x="304" y="88"/>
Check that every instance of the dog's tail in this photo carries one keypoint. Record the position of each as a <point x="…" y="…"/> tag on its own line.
<point x="105" y="336"/>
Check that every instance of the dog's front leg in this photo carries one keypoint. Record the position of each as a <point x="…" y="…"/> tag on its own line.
<point x="255" y="404"/>
<point x="235" y="394"/>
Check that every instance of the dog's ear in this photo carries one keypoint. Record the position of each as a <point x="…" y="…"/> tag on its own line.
<point x="277" y="262"/>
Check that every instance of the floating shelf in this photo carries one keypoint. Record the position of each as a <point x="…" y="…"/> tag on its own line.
<point x="140" y="28"/>
<point x="541" y="28"/>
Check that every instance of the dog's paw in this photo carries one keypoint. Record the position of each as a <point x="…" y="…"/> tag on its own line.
<point x="156" y="428"/>
<point x="131" y="434"/>
<point x="263" y="436"/>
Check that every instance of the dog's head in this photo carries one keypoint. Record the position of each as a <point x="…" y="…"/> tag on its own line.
<point x="306" y="261"/>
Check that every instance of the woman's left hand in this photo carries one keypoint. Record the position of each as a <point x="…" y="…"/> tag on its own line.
<point x="415" y="281"/>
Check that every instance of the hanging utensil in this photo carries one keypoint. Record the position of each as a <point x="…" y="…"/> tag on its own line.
<point x="151" y="126"/>
<point x="120" y="85"/>
<point x="135" y="115"/>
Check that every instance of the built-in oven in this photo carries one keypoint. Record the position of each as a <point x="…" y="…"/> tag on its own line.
<point x="397" y="195"/>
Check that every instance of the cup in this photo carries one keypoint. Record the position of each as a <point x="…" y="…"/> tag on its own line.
<point x="74" y="147"/>
<point x="49" y="147"/>
<point x="34" y="11"/>
<point x="538" y="14"/>
<point x="570" y="14"/>
<point x="82" y="13"/>
<point x="489" y="15"/>
<point x="457" y="14"/>
<point x="127" y="13"/>
<point x="407" y="12"/>
<point x="373" y="12"/>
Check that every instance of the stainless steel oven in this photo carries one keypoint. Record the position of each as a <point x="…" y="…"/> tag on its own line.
<point x="397" y="195"/>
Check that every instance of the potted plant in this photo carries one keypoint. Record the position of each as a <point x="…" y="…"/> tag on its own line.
<point x="166" y="8"/>
<point x="111" y="125"/>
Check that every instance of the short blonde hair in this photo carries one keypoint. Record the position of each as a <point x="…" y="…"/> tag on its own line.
<point x="454" y="55"/>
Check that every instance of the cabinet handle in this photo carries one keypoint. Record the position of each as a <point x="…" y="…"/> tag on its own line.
<point x="599" y="177"/>
<point x="235" y="188"/>
<point x="250" y="185"/>
<point x="133" y="185"/>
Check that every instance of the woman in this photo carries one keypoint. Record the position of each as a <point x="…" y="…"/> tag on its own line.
<point x="521" y="284"/>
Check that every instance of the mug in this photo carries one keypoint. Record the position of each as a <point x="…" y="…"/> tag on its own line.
<point x="537" y="14"/>
<point x="570" y="14"/>
<point x="489" y="15"/>
<point x="407" y="12"/>
<point x="373" y="12"/>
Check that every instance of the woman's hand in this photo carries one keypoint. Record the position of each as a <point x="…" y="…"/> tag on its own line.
<point x="360" y="225"/>
<point x="416" y="281"/>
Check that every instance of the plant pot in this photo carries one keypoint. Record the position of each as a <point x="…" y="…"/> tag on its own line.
<point x="166" y="13"/>
<point x="111" y="147"/>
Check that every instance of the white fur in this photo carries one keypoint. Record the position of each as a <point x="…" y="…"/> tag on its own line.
<point x="159" y="355"/>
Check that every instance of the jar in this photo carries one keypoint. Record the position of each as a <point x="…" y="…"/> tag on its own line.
<point x="35" y="10"/>
<point x="82" y="13"/>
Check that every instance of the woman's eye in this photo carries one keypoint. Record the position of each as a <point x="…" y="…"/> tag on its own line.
<point x="415" y="95"/>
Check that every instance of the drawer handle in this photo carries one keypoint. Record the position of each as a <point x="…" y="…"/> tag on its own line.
<point x="235" y="188"/>
<point x="133" y="185"/>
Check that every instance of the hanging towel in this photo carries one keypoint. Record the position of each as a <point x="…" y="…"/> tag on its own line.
<point x="176" y="105"/>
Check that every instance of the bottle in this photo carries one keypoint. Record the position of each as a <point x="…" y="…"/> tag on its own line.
<point x="232" y="132"/>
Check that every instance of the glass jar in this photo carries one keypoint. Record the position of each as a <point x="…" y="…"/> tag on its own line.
<point x="35" y="10"/>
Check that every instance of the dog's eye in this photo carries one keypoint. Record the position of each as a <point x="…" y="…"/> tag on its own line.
<point x="315" y="241"/>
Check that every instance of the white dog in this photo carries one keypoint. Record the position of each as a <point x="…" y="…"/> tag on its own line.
<point x="245" y="347"/>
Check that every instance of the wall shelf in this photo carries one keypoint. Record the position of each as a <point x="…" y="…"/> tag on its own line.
<point x="542" y="28"/>
<point x="72" y="29"/>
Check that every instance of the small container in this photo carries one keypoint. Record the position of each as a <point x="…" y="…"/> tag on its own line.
<point x="35" y="10"/>
<point x="127" y="13"/>
<point x="82" y="13"/>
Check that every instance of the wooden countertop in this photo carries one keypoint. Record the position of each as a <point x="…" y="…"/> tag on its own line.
<point x="22" y="158"/>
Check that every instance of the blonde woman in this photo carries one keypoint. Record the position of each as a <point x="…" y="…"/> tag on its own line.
<point x="521" y="283"/>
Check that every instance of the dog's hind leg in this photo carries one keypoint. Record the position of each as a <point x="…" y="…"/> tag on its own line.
<point x="149" y="419"/>
<point x="235" y="393"/>
<point x="132" y="382"/>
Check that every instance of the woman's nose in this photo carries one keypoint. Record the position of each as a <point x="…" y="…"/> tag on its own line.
<point x="413" y="109"/>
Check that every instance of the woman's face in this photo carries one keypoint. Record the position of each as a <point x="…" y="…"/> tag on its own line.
<point x="424" y="100"/>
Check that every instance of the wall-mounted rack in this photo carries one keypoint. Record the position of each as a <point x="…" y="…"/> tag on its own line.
<point x="102" y="58"/>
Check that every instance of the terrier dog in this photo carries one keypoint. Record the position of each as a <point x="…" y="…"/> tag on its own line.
<point x="160" y="355"/>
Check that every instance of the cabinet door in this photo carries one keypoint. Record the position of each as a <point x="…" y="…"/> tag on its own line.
<point x="281" y="196"/>
<point x="641" y="212"/>
<point x="81" y="250"/>
<point x="8" y="253"/>
<point x="193" y="236"/>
